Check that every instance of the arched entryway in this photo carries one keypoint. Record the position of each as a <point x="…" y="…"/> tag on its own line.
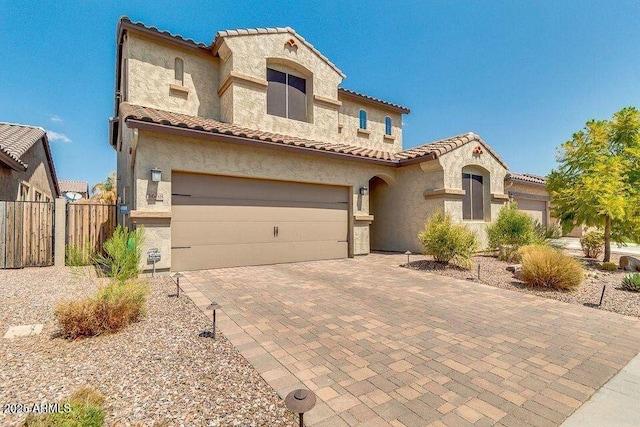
<point x="381" y="207"/>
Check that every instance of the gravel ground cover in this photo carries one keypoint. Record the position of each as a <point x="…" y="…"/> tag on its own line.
<point x="156" y="372"/>
<point x="493" y="272"/>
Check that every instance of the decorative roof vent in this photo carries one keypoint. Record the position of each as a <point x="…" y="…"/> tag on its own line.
<point x="291" y="43"/>
<point x="477" y="150"/>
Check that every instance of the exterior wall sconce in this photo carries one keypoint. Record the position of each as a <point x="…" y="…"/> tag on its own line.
<point x="364" y="191"/>
<point x="156" y="175"/>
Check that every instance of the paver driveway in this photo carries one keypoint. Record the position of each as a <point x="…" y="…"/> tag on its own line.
<point x="383" y="345"/>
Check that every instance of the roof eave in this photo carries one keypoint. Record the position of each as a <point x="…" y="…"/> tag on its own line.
<point x="180" y="131"/>
<point x="11" y="162"/>
<point x="379" y="104"/>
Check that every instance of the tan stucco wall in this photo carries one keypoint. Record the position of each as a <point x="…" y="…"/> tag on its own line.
<point x="350" y="119"/>
<point x="170" y="153"/>
<point x="37" y="175"/>
<point x="522" y="189"/>
<point x="151" y="71"/>
<point x="125" y="183"/>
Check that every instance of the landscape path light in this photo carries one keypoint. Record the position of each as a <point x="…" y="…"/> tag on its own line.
<point x="177" y="277"/>
<point x="300" y="401"/>
<point x="214" y="306"/>
<point x="408" y="253"/>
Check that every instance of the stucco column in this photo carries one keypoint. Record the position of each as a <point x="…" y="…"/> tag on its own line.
<point x="60" y="229"/>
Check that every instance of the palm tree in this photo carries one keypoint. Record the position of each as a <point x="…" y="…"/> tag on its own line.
<point x="105" y="191"/>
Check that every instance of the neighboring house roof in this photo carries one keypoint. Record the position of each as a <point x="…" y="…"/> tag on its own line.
<point x="200" y="126"/>
<point x="527" y="177"/>
<point x="372" y="100"/>
<point x="67" y="185"/>
<point x="437" y="148"/>
<point x="255" y="31"/>
<point x="16" y="140"/>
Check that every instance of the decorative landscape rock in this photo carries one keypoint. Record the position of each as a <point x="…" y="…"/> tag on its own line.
<point x="629" y="263"/>
<point x="516" y="269"/>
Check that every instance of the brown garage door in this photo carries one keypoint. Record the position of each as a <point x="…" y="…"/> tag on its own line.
<point x="537" y="209"/>
<point x="221" y="221"/>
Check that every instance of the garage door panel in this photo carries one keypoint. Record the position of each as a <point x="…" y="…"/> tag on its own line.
<point x="203" y="257"/>
<point x="536" y="209"/>
<point x="220" y="221"/>
<point x="226" y="233"/>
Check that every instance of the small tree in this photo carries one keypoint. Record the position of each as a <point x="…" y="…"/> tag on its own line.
<point x="105" y="191"/>
<point x="597" y="183"/>
<point x="511" y="230"/>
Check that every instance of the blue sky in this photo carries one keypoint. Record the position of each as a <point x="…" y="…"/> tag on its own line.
<point x="523" y="75"/>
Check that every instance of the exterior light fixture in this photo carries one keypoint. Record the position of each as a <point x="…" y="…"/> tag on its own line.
<point x="408" y="253"/>
<point x="177" y="276"/>
<point x="156" y="175"/>
<point x="214" y="306"/>
<point x="300" y="401"/>
<point x="364" y="191"/>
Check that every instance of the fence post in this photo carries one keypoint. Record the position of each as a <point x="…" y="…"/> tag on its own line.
<point x="60" y="230"/>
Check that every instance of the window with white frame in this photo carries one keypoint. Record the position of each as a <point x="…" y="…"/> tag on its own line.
<point x="363" y="119"/>
<point x="286" y="95"/>
<point x="387" y="125"/>
<point x="473" y="199"/>
<point x="23" y="195"/>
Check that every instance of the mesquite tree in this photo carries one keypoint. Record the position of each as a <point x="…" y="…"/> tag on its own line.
<point x="597" y="182"/>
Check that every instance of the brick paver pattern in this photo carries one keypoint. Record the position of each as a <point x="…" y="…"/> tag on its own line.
<point x="383" y="345"/>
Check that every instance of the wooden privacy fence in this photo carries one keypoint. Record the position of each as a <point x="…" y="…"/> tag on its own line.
<point x="89" y="226"/>
<point x="26" y="234"/>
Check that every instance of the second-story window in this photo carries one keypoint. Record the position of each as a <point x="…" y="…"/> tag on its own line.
<point x="179" y="71"/>
<point x="286" y="95"/>
<point x="363" y="119"/>
<point x="387" y="125"/>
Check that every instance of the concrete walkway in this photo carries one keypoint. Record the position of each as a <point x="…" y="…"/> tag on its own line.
<point x="382" y="345"/>
<point x="617" y="403"/>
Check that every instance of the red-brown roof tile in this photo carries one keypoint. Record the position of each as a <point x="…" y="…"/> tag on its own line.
<point x="527" y="177"/>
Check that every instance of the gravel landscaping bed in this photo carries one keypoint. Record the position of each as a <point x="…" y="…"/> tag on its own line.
<point x="156" y="372"/>
<point x="493" y="272"/>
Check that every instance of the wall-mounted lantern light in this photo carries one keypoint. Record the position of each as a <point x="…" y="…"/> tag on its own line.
<point x="364" y="191"/>
<point x="156" y="175"/>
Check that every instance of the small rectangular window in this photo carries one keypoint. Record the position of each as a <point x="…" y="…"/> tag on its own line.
<point x="363" y="119"/>
<point x="387" y="125"/>
<point x="179" y="71"/>
<point x="38" y="196"/>
<point x="473" y="199"/>
<point x="24" y="193"/>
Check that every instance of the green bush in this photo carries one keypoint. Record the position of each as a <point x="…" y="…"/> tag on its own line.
<point x="82" y="409"/>
<point x="609" y="266"/>
<point x="511" y="230"/>
<point x="111" y="308"/>
<point x="544" y="266"/>
<point x="76" y="256"/>
<point x="631" y="282"/>
<point x="448" y="242"/>
<point x="122" y="254"/>
<point x="592" y="244"/>
<point x="543" y="233"/>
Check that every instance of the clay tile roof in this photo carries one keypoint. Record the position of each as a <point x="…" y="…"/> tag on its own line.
<point x="152" y="115"/>
<point x="252" y="31"/>
<point x="126" y="22"/>
<point x="75" y="186"/>
<point x="16" y="139"/>
<point x="437" y="148"/>
<point x="371" y="99"/>
<point x="527" y="177"/>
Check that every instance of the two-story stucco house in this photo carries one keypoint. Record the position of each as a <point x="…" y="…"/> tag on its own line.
<point x="248" y="151"/>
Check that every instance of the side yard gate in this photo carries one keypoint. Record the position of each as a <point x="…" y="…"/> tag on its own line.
<point x="89" y="226"/>
<point x="26" y="234"/>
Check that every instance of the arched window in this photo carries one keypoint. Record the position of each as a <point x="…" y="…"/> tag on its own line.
<point x="473" y="201"/>
<point x="387" y="125"/>
<point x="179" y="71"/>
<point x="363" y="119"/>
<point x="286" y="95"/>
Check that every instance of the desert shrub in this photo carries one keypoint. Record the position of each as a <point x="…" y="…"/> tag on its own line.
<point x="82" y="409"/>
<point x="543" y="233"/>
<point x="631" y="282"/>
<point x="544" y="266"/>
<point x="448" y="242"/>
<point x="592" y="244"/>
<point x="111" y="308"/>
<point x="609" y="266"/>
<point x="511" y="230"/>
<point x="122" y="254"/>
<point x="76" y="256"/>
